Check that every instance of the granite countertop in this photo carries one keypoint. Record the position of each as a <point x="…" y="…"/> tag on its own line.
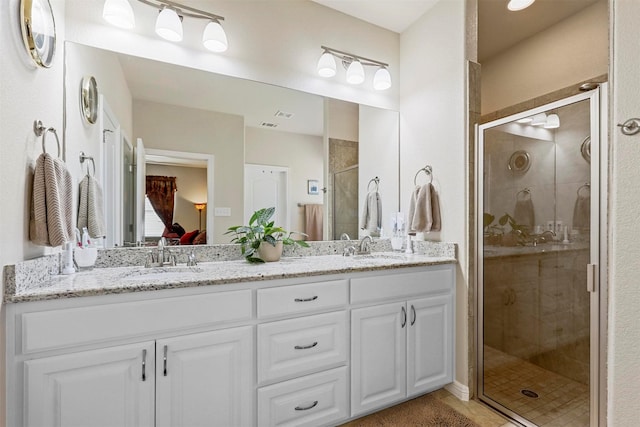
<point x="115" y="280"/>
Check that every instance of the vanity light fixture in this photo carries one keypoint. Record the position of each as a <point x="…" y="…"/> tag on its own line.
<point x="354" y="64"/>
<point x="515" y="5"/>
<point x="539" y="119"/>
<point x="169" y="21"/>
<point x="525" y="120"/>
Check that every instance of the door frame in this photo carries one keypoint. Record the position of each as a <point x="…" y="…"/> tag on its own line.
<point x="598" y="248"/>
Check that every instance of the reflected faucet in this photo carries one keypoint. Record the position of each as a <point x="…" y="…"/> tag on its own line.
<point x="345" y="236"/>
<point x="365" y="243"/>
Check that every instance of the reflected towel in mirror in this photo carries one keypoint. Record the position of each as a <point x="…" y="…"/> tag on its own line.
<point x="90" y="213"/>
<point x="313" y="221"/>
<point x="372" y="214"/>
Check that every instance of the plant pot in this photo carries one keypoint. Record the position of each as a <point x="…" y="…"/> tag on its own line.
<point x="269" y="253"/>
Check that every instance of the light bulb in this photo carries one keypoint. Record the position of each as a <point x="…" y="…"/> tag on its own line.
<point x="326" y="65"/>
<point x="553" y="122"/>
<point x="214" y="38"/>
<point x="539" y="119"/>
<point x="168" y="25"/>
<point x="515" y="5"/>
<point x="382" y="79"/>
<point x="119" y="13"/>
<point x="525" y="120"/>
<point x="355" y="73"/>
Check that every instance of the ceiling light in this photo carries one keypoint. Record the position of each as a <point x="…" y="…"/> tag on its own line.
<point x="539" y="119"/>
<point x="525" y="120"/>
<point x="355" y="73"/>
<point x="119" y="13"/>
<point x="326" y="65"/>
<point x="214" y="38"/>
<point x="169" y="25"/>
<point x="382" y="79"/>
<point x="553" y="122"/>
<point x="354" y="65"/>
<point x="515" y="5"/>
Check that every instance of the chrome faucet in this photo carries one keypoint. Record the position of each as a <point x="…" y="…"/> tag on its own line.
<point x="163" y="255"/>
<point x="365" y="244"/>
<point x="191" y="259"/>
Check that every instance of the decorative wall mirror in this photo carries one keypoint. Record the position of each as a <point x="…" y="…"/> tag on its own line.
<point x="38" y="30"/>
<point x="89" y="99"/>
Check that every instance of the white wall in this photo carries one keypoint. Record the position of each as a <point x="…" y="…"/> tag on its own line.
<point x="170" y="127"/>
<point x="624" y="211"/>
<point x="432" y="131"/>
<point x="302" y="154"/>
<point x="259" y="49"/>
<point x="571" y="51"/>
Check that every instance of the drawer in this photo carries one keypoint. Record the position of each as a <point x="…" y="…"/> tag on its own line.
<point x="436" y="280"/>
<point x="300" y="346"/>
<point x="302" y="298"/>
<point x="318" y="399"/>
<point x="54" y="329"/>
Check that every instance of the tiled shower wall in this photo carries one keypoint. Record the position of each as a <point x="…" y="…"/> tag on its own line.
<point x="342" y="155"/>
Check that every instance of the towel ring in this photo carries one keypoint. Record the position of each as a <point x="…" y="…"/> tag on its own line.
<point x="40" y="130"/>
<point x="585" y="186"/>
<point x="84" y="157"/>
<point x="428" y="170"/>
<point x="376" y="181"/>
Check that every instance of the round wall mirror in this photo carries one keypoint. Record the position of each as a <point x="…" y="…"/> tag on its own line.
<point x="89" y="99"/>
<point x="519" y="161"/>
<point x="38" y="30"/>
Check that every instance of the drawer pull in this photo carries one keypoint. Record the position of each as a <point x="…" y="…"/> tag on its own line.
<point x="404" y="318"/>
<point x="313" y="298"/>
<point x="164" y="361"/>
<point x="413" y="315"/>
<point x="306" y="408"/>
<point x="305" y="347"/>
<point x="144" y="365"/>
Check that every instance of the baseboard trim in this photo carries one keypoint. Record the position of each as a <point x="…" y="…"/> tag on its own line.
<point x="459" y="390"/>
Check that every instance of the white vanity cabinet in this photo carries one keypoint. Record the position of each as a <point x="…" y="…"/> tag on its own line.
<point x="403" y="348"/>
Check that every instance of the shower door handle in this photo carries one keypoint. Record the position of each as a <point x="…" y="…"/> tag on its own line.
<point x="592" y="277"/>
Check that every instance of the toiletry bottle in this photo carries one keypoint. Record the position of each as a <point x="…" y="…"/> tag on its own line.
<point x="67" y="259"/>
<point x="86" y="240"/>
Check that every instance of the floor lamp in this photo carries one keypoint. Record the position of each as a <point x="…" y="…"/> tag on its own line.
<point x="200" y="207"/>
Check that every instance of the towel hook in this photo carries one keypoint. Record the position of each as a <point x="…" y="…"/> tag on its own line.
<point x="376" y="181"/>
<point x="40" y="130"/>
<point x="428" y="170"/>
<point x="84" y="157"/>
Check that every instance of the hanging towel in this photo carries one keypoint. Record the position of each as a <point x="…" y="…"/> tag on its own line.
<point x="313" y="222"/>
<point x="424" y="210"/>
<point x="90" y="207"/>
<point x="582" y="212"/>
<point x="523" y="213"/>
<point x="372" y="213"/>
<point x="51" y="216"/>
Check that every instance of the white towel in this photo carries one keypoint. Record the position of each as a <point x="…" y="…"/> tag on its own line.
<point x="51" y="215"/>
<point x="424" y="210"/>
<point x="90" y="208"/>
<point x="372" y="213"/>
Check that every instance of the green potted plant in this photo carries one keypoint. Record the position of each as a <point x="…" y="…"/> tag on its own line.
<point x="263" y="238"/>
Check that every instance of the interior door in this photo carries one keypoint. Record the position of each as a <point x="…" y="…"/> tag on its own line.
<point x="140" y="189"/>
<point x="266" y="186"/>
<point x="112" y="174"/>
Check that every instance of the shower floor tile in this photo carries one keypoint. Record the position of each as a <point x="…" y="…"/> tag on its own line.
<point x="561" y="402"/>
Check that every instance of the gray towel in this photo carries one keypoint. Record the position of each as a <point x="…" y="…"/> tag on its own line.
<point x="90" y="208"/>
<point x="424" y="210"/>
<point x="582" y="212"/>
<point x="51" y="215"/>
<point x="523" y="213"/>
<point x="372" y="213"/>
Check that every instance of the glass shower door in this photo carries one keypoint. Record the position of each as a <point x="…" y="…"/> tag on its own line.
<point x="538" y="237"/>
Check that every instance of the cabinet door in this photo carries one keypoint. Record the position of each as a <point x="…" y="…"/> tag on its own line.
<point x="378" y="350"/>
<point x="205" y="379"/>
<point x="107" y="387"/>
<point x="430" y="344"/>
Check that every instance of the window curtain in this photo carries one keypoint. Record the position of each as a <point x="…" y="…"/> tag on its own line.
<point x="161" y="193"/>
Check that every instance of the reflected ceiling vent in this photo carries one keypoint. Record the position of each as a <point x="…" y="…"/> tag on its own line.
<point x="268" y="125"/>
<point x="283" y="114"/>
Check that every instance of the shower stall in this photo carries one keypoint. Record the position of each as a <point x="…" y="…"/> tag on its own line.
<point x="539" y="194"/>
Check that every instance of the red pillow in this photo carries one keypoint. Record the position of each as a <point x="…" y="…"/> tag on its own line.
<point x="187" y="238"/>
<point x="200" y="239"/>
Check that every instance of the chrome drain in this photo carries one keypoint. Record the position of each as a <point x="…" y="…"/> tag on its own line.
<point x="529" y="393"/>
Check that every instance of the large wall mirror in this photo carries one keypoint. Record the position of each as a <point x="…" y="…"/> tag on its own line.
<point x="232" y="145"/>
